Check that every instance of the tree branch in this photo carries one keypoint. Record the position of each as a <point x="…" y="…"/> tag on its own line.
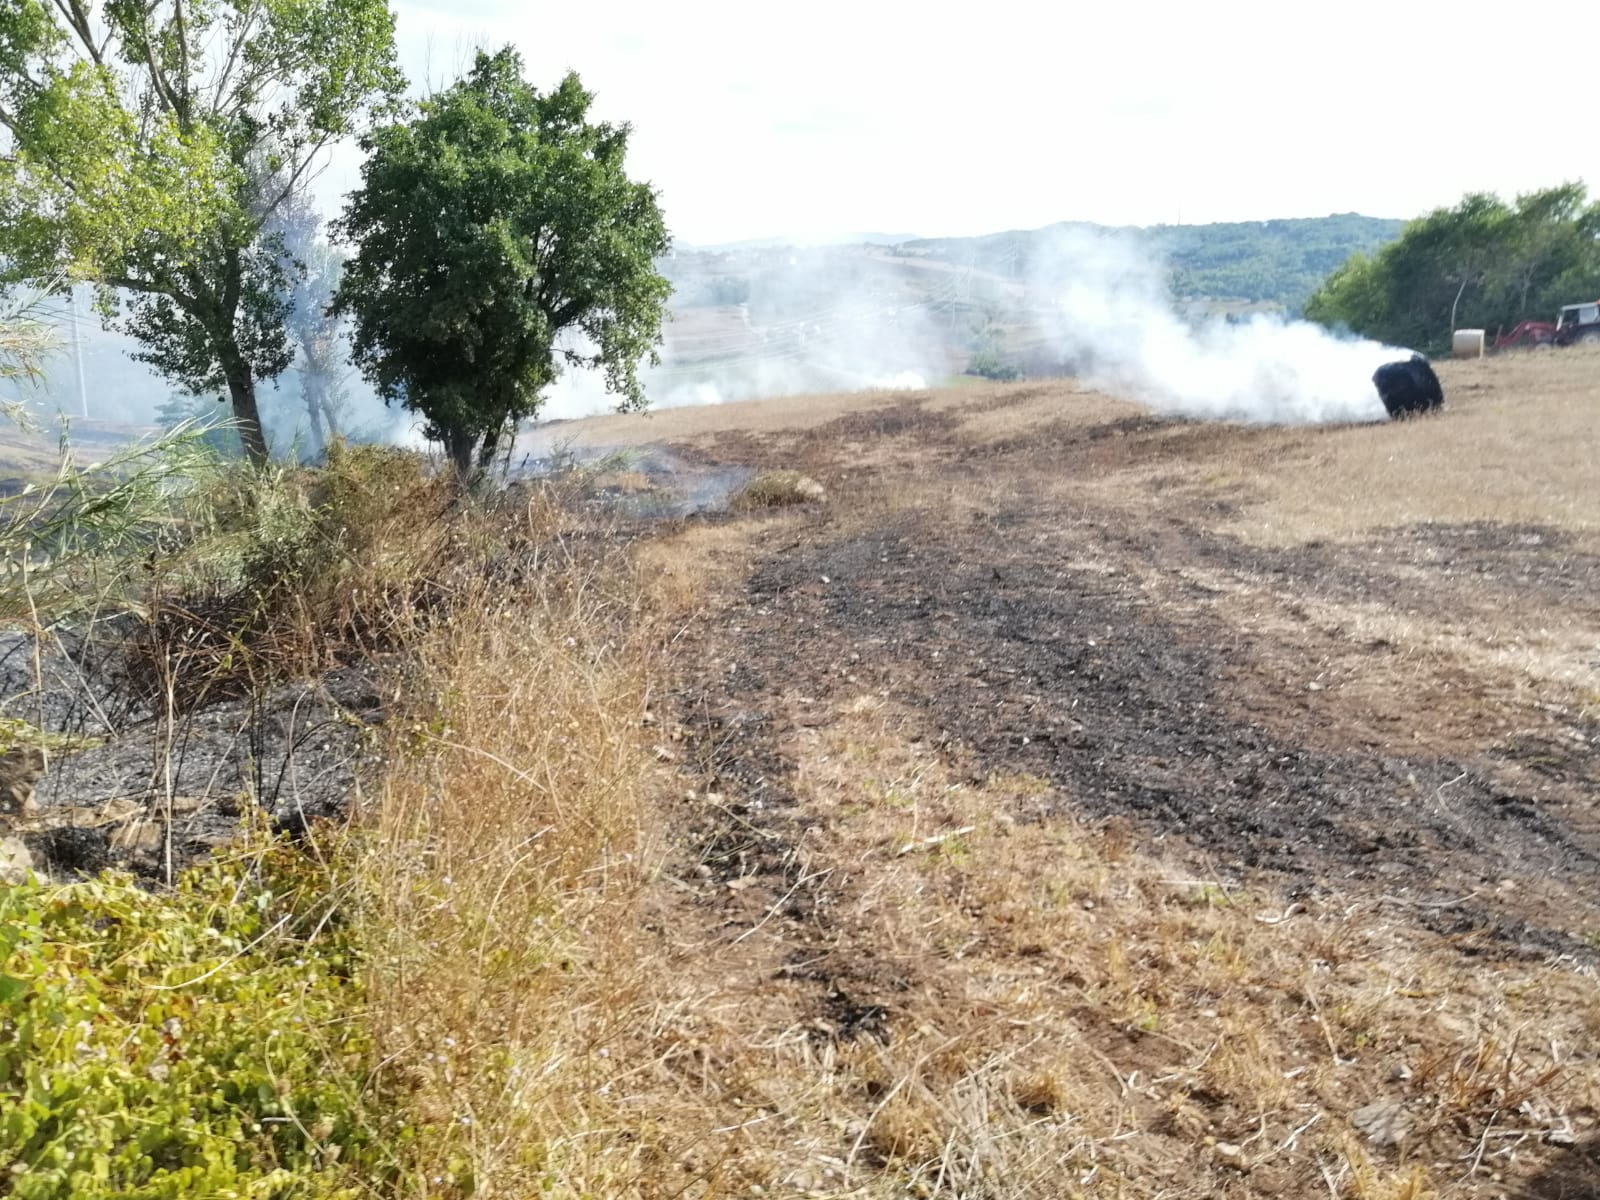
<point x="77" y="18"/>
<point x="183" y="55"/>
<point x="233" y="57"/>
<point x="148" y="287"/>
<point x="232" y="281"/>
<point x="158" y="77"/>
<point x="296" y="174"/>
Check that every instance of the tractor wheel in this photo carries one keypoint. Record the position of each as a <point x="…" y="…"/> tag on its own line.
<point x="1592" y="338"/>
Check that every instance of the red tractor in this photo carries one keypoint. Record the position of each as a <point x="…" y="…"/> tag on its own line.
<point x="1531" y="335"/>
<point x="1574" y="324"/>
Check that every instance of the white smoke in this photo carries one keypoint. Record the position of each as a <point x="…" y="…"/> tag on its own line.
<point x="1105" y="305"/>
<point x="767" y="321"/>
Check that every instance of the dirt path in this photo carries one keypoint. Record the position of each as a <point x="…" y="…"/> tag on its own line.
<point x="1334" y="714"/>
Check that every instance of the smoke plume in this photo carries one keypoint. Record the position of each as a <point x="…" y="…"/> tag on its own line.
<point x="767" y="321"/>
<point x="1105" y="306"/>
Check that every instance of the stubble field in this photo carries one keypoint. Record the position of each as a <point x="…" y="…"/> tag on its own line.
<point x="1086" y="803"/>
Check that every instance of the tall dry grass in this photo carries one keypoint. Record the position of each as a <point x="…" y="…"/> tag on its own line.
<point x="503" y="867"/>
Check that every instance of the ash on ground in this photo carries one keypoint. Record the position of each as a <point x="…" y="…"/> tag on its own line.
<point x="643" y="482"/>
<point x="128" y="784"/>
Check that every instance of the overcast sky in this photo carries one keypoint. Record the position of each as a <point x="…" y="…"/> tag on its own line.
<point x="827" y="117"/>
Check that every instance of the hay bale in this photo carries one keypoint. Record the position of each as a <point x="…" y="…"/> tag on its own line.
<point x="777" y="489"/>
<point x="1467" y="343"/>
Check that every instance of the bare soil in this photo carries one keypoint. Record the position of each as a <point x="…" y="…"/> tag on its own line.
<point x="1123" y="654"/>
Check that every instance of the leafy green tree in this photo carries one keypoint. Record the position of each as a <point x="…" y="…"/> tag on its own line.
<point x="151" y="143"/>
<point x="1483" y="263"/>
<point x="492" y="233"/>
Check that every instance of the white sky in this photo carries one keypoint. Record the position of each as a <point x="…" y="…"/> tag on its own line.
<point x="828" y="117"/>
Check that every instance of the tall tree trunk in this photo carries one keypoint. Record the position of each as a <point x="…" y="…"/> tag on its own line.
<point x="1454" y="303"/>
<point x="311" y="388"/>
<point x="461" y="444"/>
<point x="242" y="391"/>
<point x="491" y="441"/>
<point x="329" y="416"/>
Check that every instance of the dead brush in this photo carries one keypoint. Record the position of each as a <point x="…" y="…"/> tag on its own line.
<point x="1480" y="1083"/>
<point x="290" y="573"/>
<point x="777" y="489"/>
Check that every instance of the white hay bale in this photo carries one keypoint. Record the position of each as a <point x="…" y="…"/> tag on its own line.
<point x="1467" y="343"/>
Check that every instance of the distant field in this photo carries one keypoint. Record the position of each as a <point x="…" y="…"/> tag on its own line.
<point x="24" y="455"/>
<point x="1518" y="443"/>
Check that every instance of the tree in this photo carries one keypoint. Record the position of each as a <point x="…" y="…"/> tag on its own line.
<point x="1483" y="263"/>
<point x="151" y="143"/>
<point x="497" y="240"/>
<point x="314" y="331"/>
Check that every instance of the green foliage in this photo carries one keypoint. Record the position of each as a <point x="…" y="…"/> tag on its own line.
<point x="202" y="1042"/>
<point x="76" y="540"/>
<point x="152" y="141"/>
<point x="1484" y="263"/>
<point x="26" y="341"/>
<point x="493" y="232"/>
<point x="297" y="533"/>
<point x="988" y="359"/>
<point x="1278" y="261"/>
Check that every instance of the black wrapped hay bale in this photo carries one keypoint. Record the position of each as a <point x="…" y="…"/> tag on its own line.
<point x="1408" y="388"/>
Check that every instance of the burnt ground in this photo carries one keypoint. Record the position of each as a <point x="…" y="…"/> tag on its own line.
<point x="293" y="752"/>
<point x="1155" y="670"/>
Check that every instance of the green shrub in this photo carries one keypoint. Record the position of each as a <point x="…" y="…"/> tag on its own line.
<point x="200" y="1042"/>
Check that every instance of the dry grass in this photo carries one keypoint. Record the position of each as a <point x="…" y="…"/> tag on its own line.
<point x="1073" y="1019"/>
<point x="785" y="414"/>
<point x="1517" y="444"/>
<point x="503" y="868"/>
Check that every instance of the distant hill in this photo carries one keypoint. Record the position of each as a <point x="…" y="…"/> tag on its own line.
<point x="1273" y="262"/>
<point x="771" y="243"/>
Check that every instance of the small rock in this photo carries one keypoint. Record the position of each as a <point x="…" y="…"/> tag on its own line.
<point x="1231" y="1155"/>
<point x="16" y="862"/>
<point x="1384" y="1122"/>
<point x="20" y="769"/>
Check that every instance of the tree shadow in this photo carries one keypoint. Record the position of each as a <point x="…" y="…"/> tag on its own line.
<point x="1572" y="1173"/>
